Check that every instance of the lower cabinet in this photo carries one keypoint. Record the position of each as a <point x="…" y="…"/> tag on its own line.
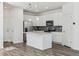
<point x="62" y="38"/>
<point x="57" y="37"/>
<point x="24" y="37"/>
<point x="67" y="39"/>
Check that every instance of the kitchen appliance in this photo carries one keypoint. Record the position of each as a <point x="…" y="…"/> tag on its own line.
<point x="49" y="23"/>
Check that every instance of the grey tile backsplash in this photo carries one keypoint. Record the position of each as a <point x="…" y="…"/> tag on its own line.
<point x="47" y="29"/>
<point x="58" y="28"/>
<point x="50" y="27"/>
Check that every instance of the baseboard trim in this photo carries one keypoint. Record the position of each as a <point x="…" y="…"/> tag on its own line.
<point x="8" y="42"/>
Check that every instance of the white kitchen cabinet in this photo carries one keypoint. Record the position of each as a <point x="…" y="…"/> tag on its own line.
<point x="57" y="37"/>
<point x="7" y="28"/>
<point x="39" y="39"/>
<point x="17" y="25"/>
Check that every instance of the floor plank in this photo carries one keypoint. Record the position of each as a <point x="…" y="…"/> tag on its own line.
<point x="22" y="49"/>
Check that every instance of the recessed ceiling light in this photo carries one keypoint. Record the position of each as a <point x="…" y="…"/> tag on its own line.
<point x="30" y="19"/>
<point x="37" y="18"/>
<point x="36" y="6"/>
<point x="46" y="7"/>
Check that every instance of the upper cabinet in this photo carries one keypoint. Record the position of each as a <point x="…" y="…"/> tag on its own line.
<point x="57" y="37"/>
<point x="41" y="20"/>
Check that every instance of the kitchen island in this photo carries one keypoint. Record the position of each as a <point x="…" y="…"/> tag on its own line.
<point x="39" y="39"/>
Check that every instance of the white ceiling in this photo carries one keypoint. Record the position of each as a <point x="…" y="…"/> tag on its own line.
<point x="38" y="7"/>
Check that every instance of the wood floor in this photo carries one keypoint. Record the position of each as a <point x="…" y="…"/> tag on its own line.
<point x="23" y="50"/>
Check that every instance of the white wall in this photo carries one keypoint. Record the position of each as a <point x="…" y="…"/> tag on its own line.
<point x="68" y="24"/>
<point x="70" y="15"/>
<point x="75" y="42"/>
<point x="1" y="25"/>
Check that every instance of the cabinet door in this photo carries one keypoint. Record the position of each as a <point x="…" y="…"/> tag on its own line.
<point x="57" y="37"/>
